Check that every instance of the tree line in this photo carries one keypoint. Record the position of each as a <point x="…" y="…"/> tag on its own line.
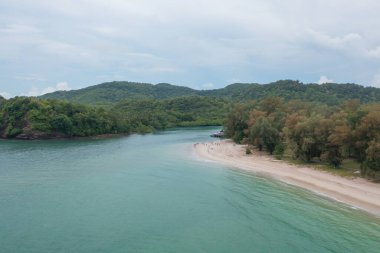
<point x="311" y="131"/>
<point x="34" y="118"/>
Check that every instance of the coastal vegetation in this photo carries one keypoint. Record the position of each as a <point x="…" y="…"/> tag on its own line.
<point x="329" y="123"/>
<point x="33" y="118"/>
<point x="311" y="132"/>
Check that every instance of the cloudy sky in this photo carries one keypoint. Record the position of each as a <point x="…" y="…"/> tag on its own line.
<point x="53" y="45"/>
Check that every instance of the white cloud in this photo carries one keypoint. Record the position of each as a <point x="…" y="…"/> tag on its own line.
<point x="375" y="53"/>
<point x="18" y="40"/>
<point x="34" y="92"/>
<point x="324" y="79"/>
<point x="188" y="41"/>
<point x="5" y="94"/>
<point x="208" y="86"/>
<point x="233" y="80"/>
<point x="376" y="80"/>
<point x="336" y="42"/>
<point x="58" y="86"/>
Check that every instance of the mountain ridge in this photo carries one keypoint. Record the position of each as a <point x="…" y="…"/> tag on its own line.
<point x="116" y="91"/>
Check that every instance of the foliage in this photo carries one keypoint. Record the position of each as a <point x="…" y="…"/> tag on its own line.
<point x="279" y="151"/>
<point x="235" y="123"/>
<point x="23" y="117"/>
<point x="183" y="111"/>
<point x="311" y="131"/>
<point x="263" y="134"/>
<point x="114" y="92"/>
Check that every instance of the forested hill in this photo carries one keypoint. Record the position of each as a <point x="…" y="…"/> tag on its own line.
<point x="330" y="93"/>
<point x="113" y="92"/>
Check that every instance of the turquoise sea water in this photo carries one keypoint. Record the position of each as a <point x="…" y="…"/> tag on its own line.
<point x="151" y="194"/>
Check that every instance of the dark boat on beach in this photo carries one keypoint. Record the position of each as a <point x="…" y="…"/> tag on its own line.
<point x="219" y="134"/>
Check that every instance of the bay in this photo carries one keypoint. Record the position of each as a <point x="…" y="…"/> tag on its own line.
<point x="150" y="193"/>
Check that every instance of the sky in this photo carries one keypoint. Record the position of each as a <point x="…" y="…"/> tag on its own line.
<point x="69" y="44"/>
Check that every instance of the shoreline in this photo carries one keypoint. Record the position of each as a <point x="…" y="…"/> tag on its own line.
<point x="37" y="136"/>
<point x="358" y="192"/>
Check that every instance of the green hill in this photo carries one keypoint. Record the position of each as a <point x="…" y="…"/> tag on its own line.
<point x="330" y="93"/>
<point x="114" y="92"/>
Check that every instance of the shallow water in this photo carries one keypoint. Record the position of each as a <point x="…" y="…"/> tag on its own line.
<point x="151" y="194"/>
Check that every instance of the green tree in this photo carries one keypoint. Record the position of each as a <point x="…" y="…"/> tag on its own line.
<point x="62" y="123"/>
<point x="236" y="123"/>
<point x="371" y="165"/>
<point x="263" y="134"/>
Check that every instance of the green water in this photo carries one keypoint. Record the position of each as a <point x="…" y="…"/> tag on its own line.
<point x="151" y="194"/>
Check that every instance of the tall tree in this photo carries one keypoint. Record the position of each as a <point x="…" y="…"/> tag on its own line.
<point x="263" y="134"/>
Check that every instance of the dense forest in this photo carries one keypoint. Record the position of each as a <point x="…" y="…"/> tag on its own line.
<point x="311" y="132"/>
<point x="33" y="118"/>
<point x="182" y="111"/>
<point x="114" y="92"/>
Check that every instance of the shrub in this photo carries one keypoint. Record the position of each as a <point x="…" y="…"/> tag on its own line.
<point x="279" y="151"/>
<point x="13" y="132"/>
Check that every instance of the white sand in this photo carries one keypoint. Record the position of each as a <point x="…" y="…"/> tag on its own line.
<point x="356" y="192"/>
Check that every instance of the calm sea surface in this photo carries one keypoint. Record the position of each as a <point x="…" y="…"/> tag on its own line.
<point x="151" y="194"/>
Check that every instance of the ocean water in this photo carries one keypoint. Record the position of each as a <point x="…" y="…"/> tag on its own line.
<point x="150" y="193"/>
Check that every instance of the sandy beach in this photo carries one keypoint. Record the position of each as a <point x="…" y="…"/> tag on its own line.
<point x="356" y="192"/>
